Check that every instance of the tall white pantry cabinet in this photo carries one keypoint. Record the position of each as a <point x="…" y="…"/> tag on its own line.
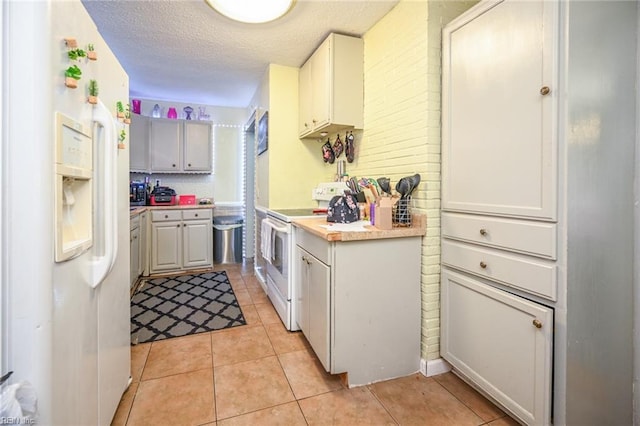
<point x="539" y="129"/>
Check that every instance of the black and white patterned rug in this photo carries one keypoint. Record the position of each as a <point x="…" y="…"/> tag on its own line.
<point x="181" y="305"/>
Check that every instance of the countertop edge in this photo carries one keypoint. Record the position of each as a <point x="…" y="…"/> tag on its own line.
<point x="142" y="209"/>
<point x="313" y="226"/>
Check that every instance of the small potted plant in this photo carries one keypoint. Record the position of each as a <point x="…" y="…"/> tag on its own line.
<point x="72" y="75"/>
<point x="119" y="110"/>
<point x="127" y="115"/>
<point x="91" y="53"/>
<point x="121" y="139"/>
<point x="93" y="92"/>
<point x="76" y="54"/>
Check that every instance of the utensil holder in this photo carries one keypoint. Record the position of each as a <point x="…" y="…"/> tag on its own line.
<point x="401" y="213"/>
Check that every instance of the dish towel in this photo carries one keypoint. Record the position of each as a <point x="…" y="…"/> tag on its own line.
<point x="266" y="243"/>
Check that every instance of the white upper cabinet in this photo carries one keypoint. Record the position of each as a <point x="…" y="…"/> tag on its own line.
<point x="139" y="143"/>
<point x="170" y="146"/>
<point x="166" y="141"/>
<point x="331" y="88"/>
<point x="197" y="146"/>
<point x="499" y="101"/>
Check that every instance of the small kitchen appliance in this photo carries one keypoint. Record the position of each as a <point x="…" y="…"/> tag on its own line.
<point x="138" y="194"/>
<point x="163" y="196"/>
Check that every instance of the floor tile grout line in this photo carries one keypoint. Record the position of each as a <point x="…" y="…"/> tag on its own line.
<point x="213" y="378"/>
<point x="469" y="407"/>
<point x="370" y="389"/>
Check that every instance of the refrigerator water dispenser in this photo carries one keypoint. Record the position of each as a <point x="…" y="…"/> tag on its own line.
<point x="73" y="186"/>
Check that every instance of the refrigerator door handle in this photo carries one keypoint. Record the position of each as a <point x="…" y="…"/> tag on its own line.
<point x="106" y="206"/>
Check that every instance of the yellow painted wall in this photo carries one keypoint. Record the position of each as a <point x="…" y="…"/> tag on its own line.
<point x="290" y="168"/>
<point x="401" y="133"/>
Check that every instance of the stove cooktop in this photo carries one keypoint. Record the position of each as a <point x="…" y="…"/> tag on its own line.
<point x="288" y="214"/>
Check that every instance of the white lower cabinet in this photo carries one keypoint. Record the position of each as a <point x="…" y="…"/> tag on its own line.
<point x="358" y="304"/>
<point x="314" y="297"/>
<point x="181" y="240"/>
<point x="499" y="341"/>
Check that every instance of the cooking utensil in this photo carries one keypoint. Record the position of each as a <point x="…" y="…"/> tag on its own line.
<point x="403" y="186"/>
<point x="385" y="184"/>
<point x="414" y="181"/>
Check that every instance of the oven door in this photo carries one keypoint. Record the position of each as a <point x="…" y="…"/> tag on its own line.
<point x="278" y="265"/>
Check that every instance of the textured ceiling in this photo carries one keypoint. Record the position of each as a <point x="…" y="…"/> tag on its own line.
<point x="182" y="50"/>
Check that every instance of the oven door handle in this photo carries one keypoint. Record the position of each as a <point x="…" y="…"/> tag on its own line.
<point x="275" y="226"/>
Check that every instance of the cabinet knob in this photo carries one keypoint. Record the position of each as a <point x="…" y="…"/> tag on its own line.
<point x="189" y="164"/>
<point x="537" y="323"/>
<point x="178" y="226"/>
<point x="483" y="232"/>
<point x="196" y="214"/>
<point x="173" y="165"/>
<point x="166" y="216"/>
<point x="544" y="90"/>
<point x="483" y="265"/>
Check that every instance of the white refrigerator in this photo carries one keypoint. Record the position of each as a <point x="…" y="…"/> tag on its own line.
<point x="64" y="254"/>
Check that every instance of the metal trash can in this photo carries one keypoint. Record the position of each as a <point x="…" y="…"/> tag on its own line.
<point x="227" y="239"/>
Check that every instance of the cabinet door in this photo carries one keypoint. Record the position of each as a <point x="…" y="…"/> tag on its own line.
<point x="139" y="143"/>
<point x="302" y="290"/>
<point x="197" y="250"/>
<point x="144" y="255"/>
<point x="166" y="139"/>
<point x="321" y="85"/>
<point x="134" y="247"/>
<point x="501" y="342"/>
<point x="166" y="246"/>
<point x="198" y="149"/>
<point x="304" y="100"/>
<point x="319" y="298"/>
<point x="499" y="106"/>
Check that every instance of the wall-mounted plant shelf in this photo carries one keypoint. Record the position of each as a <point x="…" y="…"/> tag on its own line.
<point x="71" y="42"/>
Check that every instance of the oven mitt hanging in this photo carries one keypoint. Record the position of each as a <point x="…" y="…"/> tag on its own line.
<point x="338" y="146"/>
<point x="350" y="149"/>
<point x="327" y="153"/>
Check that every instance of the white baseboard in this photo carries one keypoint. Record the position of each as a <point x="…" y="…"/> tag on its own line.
<point x="434" y="367"/>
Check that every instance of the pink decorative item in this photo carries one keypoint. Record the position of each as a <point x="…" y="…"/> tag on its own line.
<point x="172" y="113"/>
<point x="135" y="106"/>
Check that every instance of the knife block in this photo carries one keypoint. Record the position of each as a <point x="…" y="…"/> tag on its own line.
<point x="383" y="210"/>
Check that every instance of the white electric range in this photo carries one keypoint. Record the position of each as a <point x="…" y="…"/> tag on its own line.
<point x="280" y="265"/>
<point x="280" y="268"/>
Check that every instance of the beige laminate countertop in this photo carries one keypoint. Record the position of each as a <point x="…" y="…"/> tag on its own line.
<point x="137" y="210"/>
<point x="372" y="233"/>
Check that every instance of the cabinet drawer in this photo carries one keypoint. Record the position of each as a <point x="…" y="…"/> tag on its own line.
<point x="165" y="215"/>
<point x="534" y="238"/>
<point x="313" y="244"/>
<point x="523" y="272"/>
<point x="196" y="214"/>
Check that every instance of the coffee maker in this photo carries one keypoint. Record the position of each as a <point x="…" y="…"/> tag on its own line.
<point x="138" y="194"/>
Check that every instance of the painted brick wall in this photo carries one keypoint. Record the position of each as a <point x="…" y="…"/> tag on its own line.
<point x="402" y="82"/>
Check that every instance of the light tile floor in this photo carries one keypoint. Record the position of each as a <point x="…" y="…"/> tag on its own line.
<point x="262" y="374"/>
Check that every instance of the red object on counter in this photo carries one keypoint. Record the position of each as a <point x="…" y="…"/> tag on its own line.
<point x="187" y="199"/>
<point x="163" y="203"/>
<point x="319" y="211"/>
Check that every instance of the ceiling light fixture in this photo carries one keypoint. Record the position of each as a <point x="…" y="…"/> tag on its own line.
<point x="252" y="11"/>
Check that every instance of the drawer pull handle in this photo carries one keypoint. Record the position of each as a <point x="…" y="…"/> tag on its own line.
<point x="483" y="232"/>
<point x="544" y="90"/>
<point x="537" y="323"/>
<point x="483" y="265"/>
